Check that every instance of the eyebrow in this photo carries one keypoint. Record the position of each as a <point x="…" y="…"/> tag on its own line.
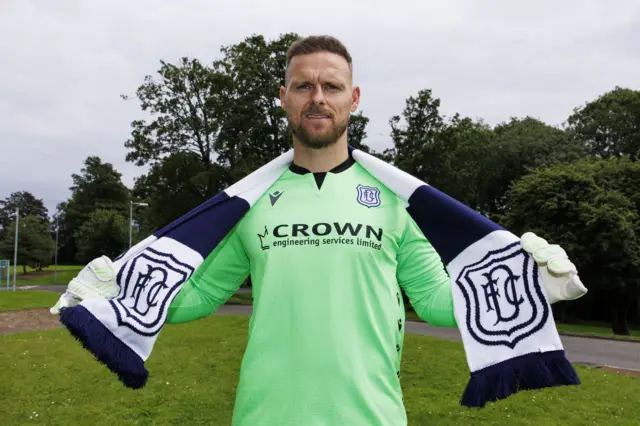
<point x="331" y="80"/>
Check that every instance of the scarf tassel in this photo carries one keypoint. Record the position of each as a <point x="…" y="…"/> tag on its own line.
<point x="527" y="372"/>
<point x="107" y="348"/>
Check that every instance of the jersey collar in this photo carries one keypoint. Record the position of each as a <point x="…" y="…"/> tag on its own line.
<point x="339" y="168"/>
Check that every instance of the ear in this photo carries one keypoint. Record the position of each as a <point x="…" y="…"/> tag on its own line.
<point x="283" y="91"/>
<point x="355" y="98"/>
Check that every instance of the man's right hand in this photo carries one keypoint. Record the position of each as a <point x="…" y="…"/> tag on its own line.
<point x="97" y="280"/>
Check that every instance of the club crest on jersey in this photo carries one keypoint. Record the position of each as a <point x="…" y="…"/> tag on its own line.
<point x="504" y="298"/>
<point x="148" y="284"/>
<point x="368" y="196"/>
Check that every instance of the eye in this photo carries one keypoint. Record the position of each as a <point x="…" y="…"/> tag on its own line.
<point x="330" y="86"/>
<point x="303" y="86"/>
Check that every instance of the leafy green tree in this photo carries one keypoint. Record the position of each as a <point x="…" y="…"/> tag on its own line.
<point x="415" y="132"/>
<point x="36" y="248"/>
<point x="523" y="145"/>
<point x="212" y="125"/>
<point x="461" y="162"/>
<point x="98" y="187"/>
<point x="255" y="128"/>
<point x="609" y="125"/>
<point x="186" y="104"/>
<point x="356" y="131"/>
<point x="105" y="232"/>
<point x="172" y="188"/>
<point x="28" y="205"/>
<point x="469" y="160"/>
<point x="582" y="207"/>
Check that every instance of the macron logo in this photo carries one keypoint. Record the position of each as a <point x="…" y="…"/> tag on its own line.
<point x="274" y="197"/>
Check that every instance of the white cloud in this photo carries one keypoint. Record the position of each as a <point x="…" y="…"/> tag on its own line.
<point x="65" y="63"/>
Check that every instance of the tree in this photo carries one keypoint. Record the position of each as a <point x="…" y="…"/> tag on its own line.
<point x="356" y="131"/>
<point x="213" y="125"/>
<point x="458" y="160"/>
<point x="255" y="129"/>
<point x="35" y="245"/>
<point x="583" y="209"/>
<point x="98" y="187"/>
<point x="28" y="205"/>
<point x="468" y="159"/>
<point x="106" y="232"/>
<point x="421" y="124"/>
<point x="172" y="188"/>
<point x="226" y="114"/>
<point x="609" y="125"/>
<point x="523" y="145"/>
<point x="457" y="155"/>
<point x="186" y="103"/>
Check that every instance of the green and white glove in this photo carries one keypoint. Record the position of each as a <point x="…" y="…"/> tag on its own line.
<point x="559" y="274"/>
<point x="97" y="280"/>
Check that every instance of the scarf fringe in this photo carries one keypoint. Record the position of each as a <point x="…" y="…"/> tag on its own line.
<point x="107" y="348"/>
<point x="527" y="372"/>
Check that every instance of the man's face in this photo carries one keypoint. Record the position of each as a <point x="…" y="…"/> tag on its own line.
<point x="319" y="98"/>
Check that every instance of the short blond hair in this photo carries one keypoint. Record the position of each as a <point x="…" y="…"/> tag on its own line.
<point x="314" y="44"/>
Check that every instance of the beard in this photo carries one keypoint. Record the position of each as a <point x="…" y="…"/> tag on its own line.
<point x="318" y="140"/>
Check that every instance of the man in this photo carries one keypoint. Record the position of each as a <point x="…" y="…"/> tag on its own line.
<point x="326" y="334"/>
<point x="327" y="329"/>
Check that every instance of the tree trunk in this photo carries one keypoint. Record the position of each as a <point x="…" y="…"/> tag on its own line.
<point x="619" y="309"/>
<point x="24" y="269"/>
<point x="560" y="312"/>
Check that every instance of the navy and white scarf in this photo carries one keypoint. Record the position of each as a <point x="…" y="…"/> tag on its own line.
<point x="503" y="315"/>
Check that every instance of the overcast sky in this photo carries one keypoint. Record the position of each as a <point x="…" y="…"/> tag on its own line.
<point x="64" y="64"/>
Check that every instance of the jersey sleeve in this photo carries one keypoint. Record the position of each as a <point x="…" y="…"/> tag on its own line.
<point x="423" y="277"/>
<point x="213" y="283"/>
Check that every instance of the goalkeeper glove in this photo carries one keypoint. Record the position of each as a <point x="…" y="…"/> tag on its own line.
<point x="97" y="280"/>
<point x="558" y="273"/>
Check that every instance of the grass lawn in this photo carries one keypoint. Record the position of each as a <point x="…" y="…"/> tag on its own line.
<point x="45" y="277"/>
<point x="46" y="269"/>
<point x="63" y="274"/>
<point x="43" y="299"/>
<point x="23" y="299"/>
<point x="47" y="377"/>
<point x="597" y="330"/>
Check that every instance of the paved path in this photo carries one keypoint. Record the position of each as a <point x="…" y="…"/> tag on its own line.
<point x="618" y="354"/>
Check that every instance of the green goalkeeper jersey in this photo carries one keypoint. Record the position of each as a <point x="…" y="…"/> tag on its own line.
<point x="327" y="254"/>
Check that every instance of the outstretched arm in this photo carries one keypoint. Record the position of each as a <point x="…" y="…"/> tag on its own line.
<point x="424" y="279"/>
<point x="213" y="283"/>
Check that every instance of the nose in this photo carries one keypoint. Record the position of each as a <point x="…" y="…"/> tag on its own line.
<point x="317" y="97"/>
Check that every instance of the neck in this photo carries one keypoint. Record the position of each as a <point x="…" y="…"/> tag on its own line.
<point x="320" y="160"/>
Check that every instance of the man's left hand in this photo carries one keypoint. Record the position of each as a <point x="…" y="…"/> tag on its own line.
<point x="559" y="274"/>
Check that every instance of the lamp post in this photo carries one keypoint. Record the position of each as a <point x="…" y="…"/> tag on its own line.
<point x="15" y="249"/>
<point x="55" y="267"/>
<point x="131" y="204"/>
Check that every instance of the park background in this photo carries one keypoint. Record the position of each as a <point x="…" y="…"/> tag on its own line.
<point x="200" y="118"/>
<point x="206" y="123"/>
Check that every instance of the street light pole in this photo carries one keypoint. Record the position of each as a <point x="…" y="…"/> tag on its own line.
<point x="131" y="203"/>
<point x="130" y="220"/>
<point x="15" y="248"/>
<point x="55" y="268"/>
